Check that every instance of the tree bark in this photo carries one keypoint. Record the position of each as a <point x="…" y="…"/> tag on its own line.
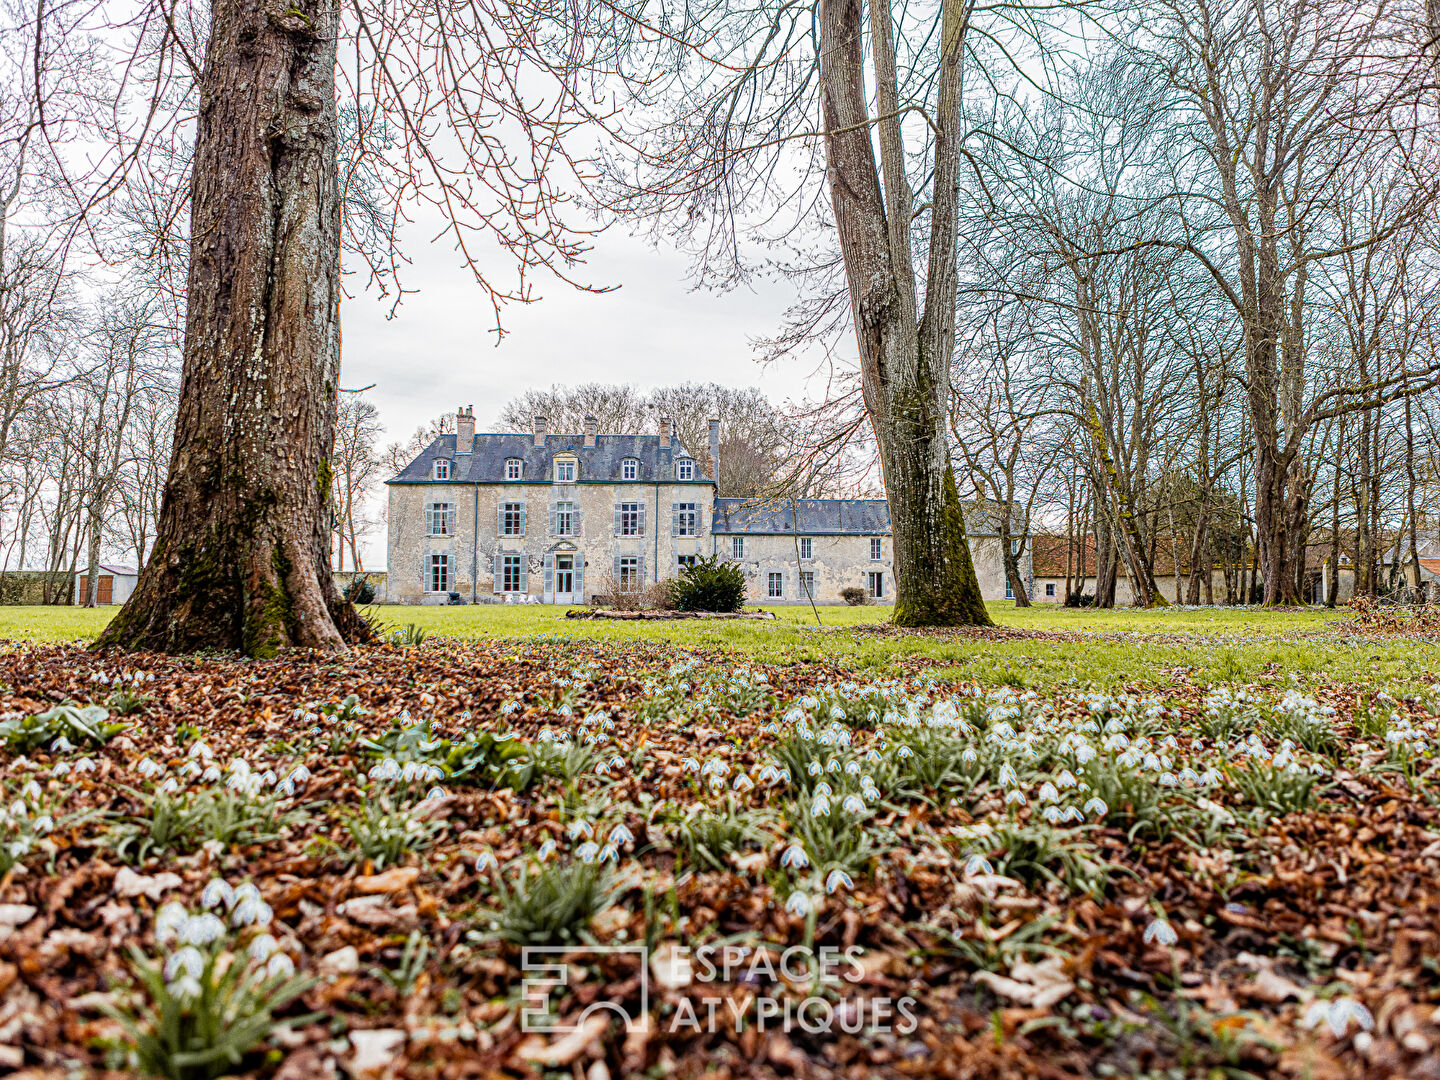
<point x="241" y="553"/>
<point x="904" y="359"/>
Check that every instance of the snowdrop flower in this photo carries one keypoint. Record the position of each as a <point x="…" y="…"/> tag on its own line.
<point x="836" y="879"/>
<point x="389" y="769"/>
<point x="60" y="769"/>
<point x="185" y="988"/>
<point x="279" y="966"/>
<point x="742" y="782"/>
<point x="1015" y="796"/>
<point x="1084" y="753"/>
<point x="602" y="768"/>
<point x="853" y="804"/>
<point x="201" y="929"/>
<point x="1051" y="814"/>
<point x="1129" y="759"/>
<point x="1338" y="1015"/>
<point x="823" y="790"/>
<point x="148" y="768"/>
<point x="1071" y="814"/>
<point x="1007" y="774"/>
<point x="690" y="765"/>
<point x="43" y="824"/>
<point x="975" y="865"/>
<point x="168" y="921"/>
<point x="580" y="828"/>
<point x="170" y="786"/>
<point x="820" y="807"/>
<point x="621" y="835"/>
<point x="609" y="853"/>
<point x="798" y="904"/>
<point x="200" y="749"/>
<point x="969" y="755"/>
<point x="61" y="745"/>
<point x="814" y="768"/>
<point x="1097" y="807"/>
<point x="211" y="774"/>
<point x="795" y="857"/>
<point x="1160" y="932"/>
<point x="587" y="851"/>
<point x="263" y="947"/>
<point x="1189" y="777"/>
<point x="285" y="788"/>
<point x="1065" y="779"/>
<point x="1168" y="780"/>
<point x="769" y="775"/>
<point x="486" y="861"/>
<point x="1049" y="793"/>
<point x="217" y="891"/>
<point x="189" y="770"/>
<point x="546" y="850"/>
<point x="251" y="911"/>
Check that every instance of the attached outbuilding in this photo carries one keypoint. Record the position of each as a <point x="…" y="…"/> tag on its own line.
<point x="116" y="583"/>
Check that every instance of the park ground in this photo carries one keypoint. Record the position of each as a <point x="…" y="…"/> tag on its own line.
<point x="1191" y="842"/>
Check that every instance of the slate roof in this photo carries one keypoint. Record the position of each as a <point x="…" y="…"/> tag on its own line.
<point x="599" y="464"/>
<point x="818" y="517"/>
<point x="111" y="568"/>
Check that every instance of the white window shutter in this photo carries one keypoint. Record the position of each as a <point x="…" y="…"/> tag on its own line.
<point x="553" y="527"/>
<point x="524" y="573"/>
<point x="615" y="570"/>
<point x="640" y="572"/>
<point x="549" y="576"/>
<point x="449" y="519"/>
<point x="500" y="520"/>
<point x="615" y="521"/>
<point x="576" y="521"/>
<point x="674" y="519"/>
<point x="580" y="578"/>
<point x="499" y="571"/>
<point x="523" y="513"/>
<point x="641" y="527"/>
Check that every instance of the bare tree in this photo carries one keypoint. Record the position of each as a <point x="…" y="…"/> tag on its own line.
<point x="357" y="469"/>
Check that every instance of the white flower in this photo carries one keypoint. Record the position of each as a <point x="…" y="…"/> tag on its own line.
<point x="148" y="767"/>
<point x="201" y="929"/>
<point x="61" y="745"/>
<point x="251" y="911"/>
<point x="217" y="891"/>
<point x="587" y="851"/>
<point x="168" y="921"/>
<point x="186" y="988"/>
<point x="579" y="828"/>
<point x="798" y="904"/>
<point x="836" y="879"/>
<point x="795" y="857"/>
<point x="621" y="835"/>
<point x="976" y="865"/>
<point x="1097" y="807"/>
<point x="263" y="947"/>
<point x="1160" y="932"/>
<point x="389" y="769"/>
<point x="279" y="966"/>
<point x="1338" y="1014"/>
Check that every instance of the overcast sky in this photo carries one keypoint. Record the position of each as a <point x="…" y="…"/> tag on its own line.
<point x="437" y="351"/>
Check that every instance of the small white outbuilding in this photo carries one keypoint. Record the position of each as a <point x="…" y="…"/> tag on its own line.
<point x="117" y="582"/>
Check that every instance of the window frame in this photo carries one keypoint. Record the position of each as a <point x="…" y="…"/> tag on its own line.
<point x="630" y="469"/>
<point x="631" y="582"/>
<point x="875" y="583"/>
<point x="566" y="465"/>
<point x="775" y="585"/>
<point x="877" y="549"/>
<point x="684" y="469"/>
<point x="565" y="511"/>
<point x="519" y="518"/>
<point x="807" y="547"/>
<point x="687" y="511"/>
<point x="630" y="517"/>
<point x="511" y="561"/>
<point x="807" y="584"/>
<point x="514" y="468"/>
<point x="440" y="469"/>
<point x="439" y="571"/>
<point x="441" y="514"/>
<point x="737" y="547"/>
<point x="1049" y="588"/>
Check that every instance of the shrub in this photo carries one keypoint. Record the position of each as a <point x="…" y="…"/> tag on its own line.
<point x="855" y="595"/>
<point x="360" y="591"/>
<point x="709" y="585"/>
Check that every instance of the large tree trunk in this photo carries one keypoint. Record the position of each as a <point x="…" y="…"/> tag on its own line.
<point x="904" y="358"/>
<point x="241" y="553"/>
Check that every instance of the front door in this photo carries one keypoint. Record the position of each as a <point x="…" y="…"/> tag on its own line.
<point x="564" y="579"/>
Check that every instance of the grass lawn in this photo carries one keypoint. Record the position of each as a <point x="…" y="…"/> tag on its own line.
<point x="1146" y="844"/>
<point x="1106" y="650"/>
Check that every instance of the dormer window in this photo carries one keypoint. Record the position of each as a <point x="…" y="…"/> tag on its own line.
<point x="564" y="470"/>
<point x="630" y="469"/>
<point x="442" y="469"/>
<point x="514" y="468"/>
<point x="685" y="469"/>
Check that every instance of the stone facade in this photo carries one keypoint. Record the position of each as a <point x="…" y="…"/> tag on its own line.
<point x="562" y="518"/>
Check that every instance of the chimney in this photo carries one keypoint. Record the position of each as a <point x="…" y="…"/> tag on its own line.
<point x="591" y="427"/>
<point x="665" y="426"/>
<point x="539" y="430"/>
<point x="465" y="429"/>
<point x="715" y="450"/>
